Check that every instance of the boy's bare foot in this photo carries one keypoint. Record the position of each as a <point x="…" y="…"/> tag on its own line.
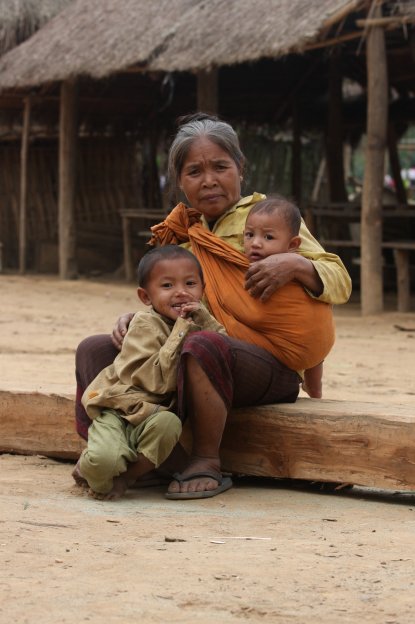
<point x="119" y="487"/>
<point x="78" y="478"/>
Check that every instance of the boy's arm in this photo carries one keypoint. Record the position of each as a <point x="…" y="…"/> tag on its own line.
<point x="149" y="358"/>
<point x="206" y="321"/>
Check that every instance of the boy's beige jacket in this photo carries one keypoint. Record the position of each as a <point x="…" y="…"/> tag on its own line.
<point x="143" y="376"/>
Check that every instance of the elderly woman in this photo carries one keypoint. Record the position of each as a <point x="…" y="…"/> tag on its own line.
<point x="217" y="372"/>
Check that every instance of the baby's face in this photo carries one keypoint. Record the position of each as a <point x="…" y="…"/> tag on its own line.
<point x="266" y="234"/>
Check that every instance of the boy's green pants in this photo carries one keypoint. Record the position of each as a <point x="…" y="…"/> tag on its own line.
<point x="113" y="443"/>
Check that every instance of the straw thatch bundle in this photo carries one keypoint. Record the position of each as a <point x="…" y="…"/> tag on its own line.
<point x="100" y="37"/>
<point x="19" y="19"/>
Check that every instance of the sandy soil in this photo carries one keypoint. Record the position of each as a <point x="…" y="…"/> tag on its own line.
<point x="266" y="551"/>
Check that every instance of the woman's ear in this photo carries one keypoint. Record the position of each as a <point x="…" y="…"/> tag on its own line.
<point x="143" y="296"/>
<point x="295" y="242"/>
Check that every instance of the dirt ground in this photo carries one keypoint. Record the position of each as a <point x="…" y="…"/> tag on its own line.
<point x="265" y="551"/>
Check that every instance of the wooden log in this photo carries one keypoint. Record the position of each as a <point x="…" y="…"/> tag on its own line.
<point x="33" y="423"/>
<point x="371" y="219"/>
<point x="367" y="444"/>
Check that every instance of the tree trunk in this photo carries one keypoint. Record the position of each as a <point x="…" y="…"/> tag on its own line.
<point x="371" y="218"/>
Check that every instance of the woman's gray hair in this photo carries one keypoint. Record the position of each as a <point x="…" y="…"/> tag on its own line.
<point x="193" y="127"/>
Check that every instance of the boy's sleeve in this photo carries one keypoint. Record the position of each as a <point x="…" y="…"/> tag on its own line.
<point x="206" y="321"/>
<point x="148" y="359"/>
<point x="337" y="285"/>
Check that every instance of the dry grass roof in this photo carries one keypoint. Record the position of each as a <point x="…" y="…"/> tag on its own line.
<point x="19" y="19"/>
<point x="100" y="37"/>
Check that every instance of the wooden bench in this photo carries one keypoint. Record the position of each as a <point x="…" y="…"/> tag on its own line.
<point x="127" y="216"/>
<point x="320" y="218"/>
<point x="401" y="250"/>
<point x="369" y="444"/>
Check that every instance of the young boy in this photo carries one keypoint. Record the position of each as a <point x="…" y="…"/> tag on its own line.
<point x="133" y="429"/>
<point x="272" y="227"/>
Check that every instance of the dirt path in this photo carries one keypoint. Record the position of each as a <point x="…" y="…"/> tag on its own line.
<point x="321" y="558"/>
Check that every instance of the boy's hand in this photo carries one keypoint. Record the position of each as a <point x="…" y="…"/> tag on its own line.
<point x="188" y="309"/>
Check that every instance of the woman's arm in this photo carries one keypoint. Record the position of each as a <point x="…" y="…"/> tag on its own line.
<point x="323" y="274"/>
<point x="264" y="277"/>
<point x="120" y="329"/>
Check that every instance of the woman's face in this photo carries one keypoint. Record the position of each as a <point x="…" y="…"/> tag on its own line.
<point x="210" y="179"/>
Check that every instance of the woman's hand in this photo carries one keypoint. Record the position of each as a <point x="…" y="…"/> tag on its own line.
<point x="264" y="277"/>
<point x="120" y="329"/>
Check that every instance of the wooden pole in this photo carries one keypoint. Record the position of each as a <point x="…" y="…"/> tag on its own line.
<point x="296" y="170"/>
<point x="68" y="136"/>
<point x="207" y="91"/>
<point x="23" y="186"/>
<point x="335" y="132"/>
<point x="371" y="218"/>
<point x="395" y="164"/>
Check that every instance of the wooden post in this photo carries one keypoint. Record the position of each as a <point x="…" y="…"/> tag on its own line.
<point x="395" y="164"/>
<point x="23" y="186"/>
<point x="68" y="135"/>
<point x="371" y="218"/>
<point x="296" y="170"/>
<point x="335" y="132"/>
<point x="207" y="91"/>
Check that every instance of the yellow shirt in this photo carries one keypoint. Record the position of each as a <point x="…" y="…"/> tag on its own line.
<point x="333" y="274"/>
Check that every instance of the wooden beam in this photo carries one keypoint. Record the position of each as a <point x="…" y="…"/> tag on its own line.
<point x="338" y="16"/>
<point x="23" y="186"/>
<point x="207" y="91"/>
<point x="376" y="138"/>
<point x="370" y="444"/>
<point x="386" y="22"/>
<point x="68" y="136"/>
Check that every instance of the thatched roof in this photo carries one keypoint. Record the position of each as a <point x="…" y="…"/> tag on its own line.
<point x="94" y="38"/>
<point x="19" y="19"/>
<point x="100" y="37"/>
<point x="246" y="31"/>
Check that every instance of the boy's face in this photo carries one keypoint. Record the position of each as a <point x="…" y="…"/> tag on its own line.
<point x="171" y="284"/>
<point x="267" y="234"/>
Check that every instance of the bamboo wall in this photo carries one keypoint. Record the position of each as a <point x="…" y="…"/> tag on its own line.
<point x="107" y="180"/>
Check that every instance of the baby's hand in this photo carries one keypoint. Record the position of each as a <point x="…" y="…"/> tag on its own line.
<point x="188" y="309"/>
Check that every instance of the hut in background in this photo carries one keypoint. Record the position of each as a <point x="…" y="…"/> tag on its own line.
<point x="279" y="62"/>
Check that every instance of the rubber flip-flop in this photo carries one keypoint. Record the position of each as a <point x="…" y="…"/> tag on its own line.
<point x="224" y="483"/>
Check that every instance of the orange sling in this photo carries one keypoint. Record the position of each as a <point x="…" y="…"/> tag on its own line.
<point x="295" y="328"/>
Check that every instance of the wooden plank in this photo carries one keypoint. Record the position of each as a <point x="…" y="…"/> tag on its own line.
<point x="367" y="444"/>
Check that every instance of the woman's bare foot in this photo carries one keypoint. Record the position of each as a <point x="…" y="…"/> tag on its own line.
<point x="78" y="478"/>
